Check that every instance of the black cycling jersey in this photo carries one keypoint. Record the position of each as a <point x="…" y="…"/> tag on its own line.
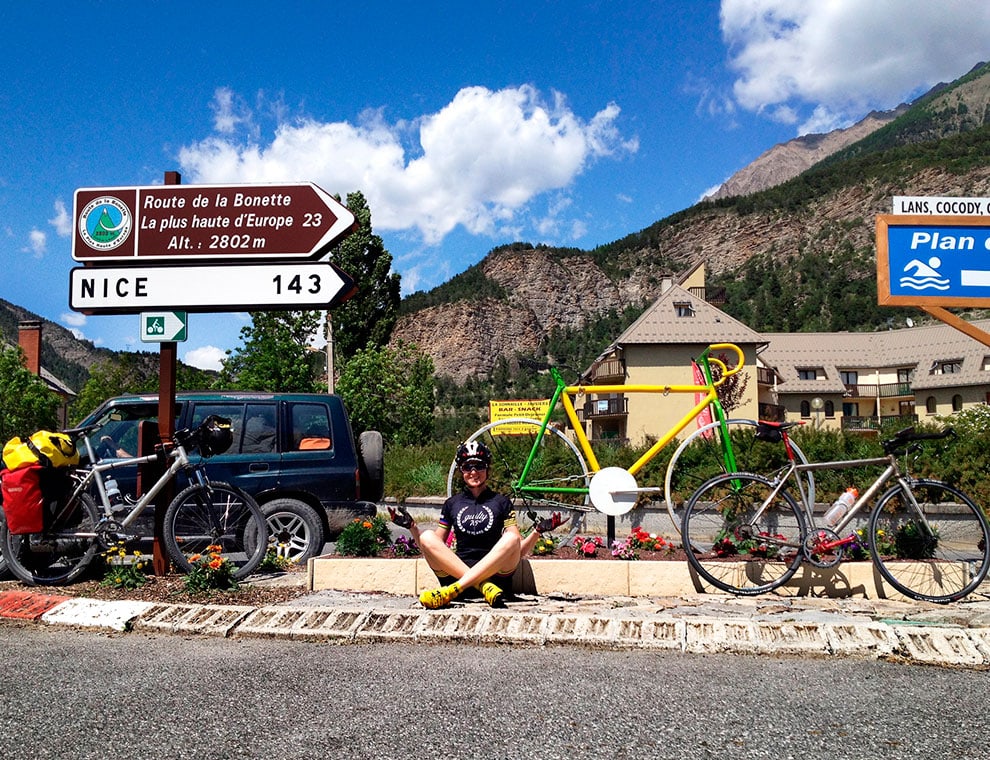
<point x="477" y="522"/>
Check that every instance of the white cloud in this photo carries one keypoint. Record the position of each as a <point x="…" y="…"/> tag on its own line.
<point x="37" y="243"/>
<point x="62" y="221"/>
<point x="205" y="357"/>
<point x="72" y="319"/>
<point x="483" y="157"/>
<point x="229" y="111"/>
<point x="824" y="64"/>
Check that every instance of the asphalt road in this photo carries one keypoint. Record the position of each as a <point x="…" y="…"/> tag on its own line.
<point x="68" y="694"/>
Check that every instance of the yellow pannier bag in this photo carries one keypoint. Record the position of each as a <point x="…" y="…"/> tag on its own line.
<point x="44" y="447"/>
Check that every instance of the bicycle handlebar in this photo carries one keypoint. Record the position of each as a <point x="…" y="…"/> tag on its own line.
<point x="726" y="373"/>
<point x="908" y="435"/>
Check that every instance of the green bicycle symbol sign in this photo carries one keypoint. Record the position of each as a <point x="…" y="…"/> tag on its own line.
<point x="163" y="327"/>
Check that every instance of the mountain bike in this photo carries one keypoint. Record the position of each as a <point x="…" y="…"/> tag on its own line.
<point x="540" y="466"/>
<point x="84" y="520"/>
<point x="927" y="539"/>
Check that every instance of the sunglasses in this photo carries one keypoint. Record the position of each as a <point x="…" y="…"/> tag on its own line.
<point x="474" y="467"/>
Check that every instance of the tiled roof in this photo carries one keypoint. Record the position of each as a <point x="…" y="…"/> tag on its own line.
<point x="661" y="323"/>
<point x="918" y="348"/>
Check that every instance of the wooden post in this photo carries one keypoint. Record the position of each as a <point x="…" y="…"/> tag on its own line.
<point x="166" y="428"/>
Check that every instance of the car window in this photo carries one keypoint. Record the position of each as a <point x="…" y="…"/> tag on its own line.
<point x="231" y="411"/>
<point x="310" y="424"/>
<point x="259" y="429"/>
<point x="117" y="436"/>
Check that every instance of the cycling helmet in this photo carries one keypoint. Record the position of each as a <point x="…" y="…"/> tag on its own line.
<point x="214" y="436"/>
<point x="473" y="451"/>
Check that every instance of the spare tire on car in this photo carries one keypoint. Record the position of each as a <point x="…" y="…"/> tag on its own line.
<point x="371" y="455"/>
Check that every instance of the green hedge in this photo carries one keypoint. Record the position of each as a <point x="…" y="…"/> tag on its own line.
<point x="962" y="461"/>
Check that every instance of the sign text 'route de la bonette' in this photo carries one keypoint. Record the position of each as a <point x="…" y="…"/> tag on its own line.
<point x="137" y="225"/>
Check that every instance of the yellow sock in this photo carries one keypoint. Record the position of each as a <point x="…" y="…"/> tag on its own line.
<point x="491" y="592"/>
<point x="440" y="597"/>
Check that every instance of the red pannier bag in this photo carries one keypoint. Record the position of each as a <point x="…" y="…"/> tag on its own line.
<point x="23" y="500"/>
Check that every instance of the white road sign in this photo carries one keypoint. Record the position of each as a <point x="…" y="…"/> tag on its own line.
<point x="941" y="206"/>
<point x="131" y="290"/>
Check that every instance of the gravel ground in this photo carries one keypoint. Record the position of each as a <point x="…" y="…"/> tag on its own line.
<point x="258" y="591"/>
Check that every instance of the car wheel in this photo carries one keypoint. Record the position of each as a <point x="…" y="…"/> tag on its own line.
<point x="295" y="530"/>
<point x="372" y="456"/>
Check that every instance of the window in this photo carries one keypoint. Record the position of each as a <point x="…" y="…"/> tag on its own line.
<point x="930" y="405"/>
<point x="957" y="403"/>
<point x="805" y="409"/>
<point x="810" y="373"/>
<point x="310" y="427"/>
<point x="684" y="309"/>
<point x="948" y="367"/>
<point x="829" y="408"/>
<point x="849" y="377"/>
<point x="986" y="363"/>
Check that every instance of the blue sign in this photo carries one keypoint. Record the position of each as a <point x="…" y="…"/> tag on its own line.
<point x="942" y="261"/>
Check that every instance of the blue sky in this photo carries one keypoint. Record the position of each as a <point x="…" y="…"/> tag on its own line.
<point x="466" y="125"/>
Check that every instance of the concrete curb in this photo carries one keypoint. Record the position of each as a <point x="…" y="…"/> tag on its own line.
<point x="577" y="576"/>
<point x="615" y="628"/>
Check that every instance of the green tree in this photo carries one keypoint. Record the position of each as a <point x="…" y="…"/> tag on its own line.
<point x="390" y="390"/>
<point x="275" y="355"/>
<point x="129" y="373"/>
<point x="113" y="377"/>
<point x="26" y="403"/>
<point x="367" y="318"/>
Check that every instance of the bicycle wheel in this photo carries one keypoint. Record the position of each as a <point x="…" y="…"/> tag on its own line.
<point x="61" y="553"/>
<point x="747" y="543"/>
<point x="700" y="457"/>
<point x="217" y="514"/>
<point x="938" y="551"/>
<point x="557" y="464"/>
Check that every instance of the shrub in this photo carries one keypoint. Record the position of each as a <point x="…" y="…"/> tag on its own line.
<point x="364" y="537"/>
<point x="210" y="571"/>
<point x="119" y="572"/>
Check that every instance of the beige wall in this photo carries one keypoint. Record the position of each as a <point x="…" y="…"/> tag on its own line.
<point x="653" y="414"/>
<point x="943" y="399"/>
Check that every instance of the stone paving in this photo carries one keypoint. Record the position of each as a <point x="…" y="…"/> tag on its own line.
<point x="956" y="635"/>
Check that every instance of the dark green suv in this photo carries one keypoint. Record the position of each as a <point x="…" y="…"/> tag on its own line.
<point x="294" y="453"/>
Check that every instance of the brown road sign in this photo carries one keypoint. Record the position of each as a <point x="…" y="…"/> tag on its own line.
<point x="139" y="225"/>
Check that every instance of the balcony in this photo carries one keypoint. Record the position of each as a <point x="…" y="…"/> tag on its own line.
<point x="872" y="424"/>
<point x="884" y="390"/>
<point x="610" y="369"/>
<point x="765" y="376"/>
<point x="605" y="407"/>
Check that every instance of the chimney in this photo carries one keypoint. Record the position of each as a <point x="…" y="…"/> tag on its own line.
<point x="29" y="339"/>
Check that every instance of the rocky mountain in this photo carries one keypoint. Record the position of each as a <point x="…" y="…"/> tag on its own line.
<point x="62" y="353"/>
<point x="787" y="160"/>
<point x="519" y="294"/>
